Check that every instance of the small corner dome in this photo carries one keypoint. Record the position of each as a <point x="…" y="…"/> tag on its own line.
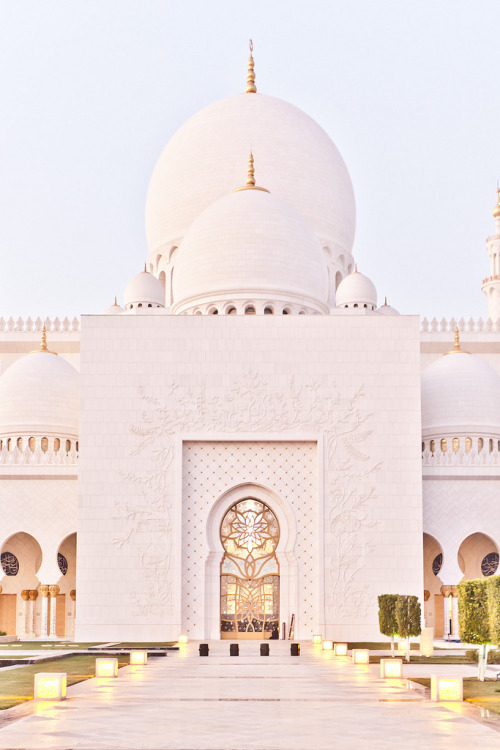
<point x="114" y="309"/>
<point x="386" y="309"/>
<point x="250" y="245"/>
<point x="356" y="290"/>
<point x="460" y="393"/>
<point x="144" y="290"/>
<point x="39" y="395"/>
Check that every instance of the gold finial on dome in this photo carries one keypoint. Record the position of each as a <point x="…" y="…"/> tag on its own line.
<point x="456" y="344"/>
<point x="43" y="344"/>
<point x="385" y="303"/>
<point x="116" y="303"/>
<point x="251" y="87"/>
<point x="145" y="268"/>
<point x="355" y="268"/>
<point x="496" y="210"/>
<point x="250" y="177"/>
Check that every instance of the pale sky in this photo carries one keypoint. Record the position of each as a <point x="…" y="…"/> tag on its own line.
<point x="91" y="91"/>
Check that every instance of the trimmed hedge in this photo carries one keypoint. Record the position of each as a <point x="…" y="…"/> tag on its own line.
<point x="493" y="593"/>
<point x="387" y="614"/>
<point x="493" y="656"/>
<point x="473" y="620"/>
<point x="408" y="616"/>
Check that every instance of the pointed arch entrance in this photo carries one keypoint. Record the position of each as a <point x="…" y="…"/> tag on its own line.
<point x="249" y="582"/>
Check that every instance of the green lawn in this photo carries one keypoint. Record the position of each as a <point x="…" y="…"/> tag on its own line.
<point x="16" y="685"/>
<point x="484" y="694"/>
<point x="383" y="646"/>
<point x="45" y="645"/>
<point x="147" y="644"/>
<point x="446" y="659"/>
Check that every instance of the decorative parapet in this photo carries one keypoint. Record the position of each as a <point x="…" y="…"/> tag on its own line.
<point x="38" y="457"/>
<point x="461" y="459"/>
<point x="29" y="325"/>
<point x="469" y="326"/>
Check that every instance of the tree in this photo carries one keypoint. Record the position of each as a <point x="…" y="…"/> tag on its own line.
<point x="473" y="619"/>
<point x="493" y="589"/>
<point x="387" y="617"/>
<point x="408" y="616"/>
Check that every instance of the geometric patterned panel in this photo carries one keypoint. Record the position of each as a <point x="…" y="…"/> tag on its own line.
<point x="212" y="468"/>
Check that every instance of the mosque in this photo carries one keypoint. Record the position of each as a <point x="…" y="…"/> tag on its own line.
<point x="251" y="441"/>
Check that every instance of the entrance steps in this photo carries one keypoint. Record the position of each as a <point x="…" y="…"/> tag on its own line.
<point x="247" y="648"/>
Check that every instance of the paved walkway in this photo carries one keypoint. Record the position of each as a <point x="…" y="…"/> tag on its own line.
<point x="311" y="702"/>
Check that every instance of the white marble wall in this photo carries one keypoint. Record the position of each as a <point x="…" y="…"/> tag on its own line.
<point x="350" y="386"/>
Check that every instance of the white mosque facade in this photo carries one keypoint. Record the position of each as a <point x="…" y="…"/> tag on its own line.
<point x="251" y="441"/>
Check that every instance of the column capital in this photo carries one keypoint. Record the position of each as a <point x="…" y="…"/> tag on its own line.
<point x="25" y="595"/>
<point x="33" y="594"/>
<point x="72" y="594"/>
<point x="53" y="590"/>
<point x="446" y="590"/>
<point x="44" y="590"/>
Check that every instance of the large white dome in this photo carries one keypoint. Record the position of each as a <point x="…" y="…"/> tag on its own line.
<point x="250" y="245"/>
<point x="296" y="159"/>
<point x="39" y="395"/>
<point x="460" y="393"/>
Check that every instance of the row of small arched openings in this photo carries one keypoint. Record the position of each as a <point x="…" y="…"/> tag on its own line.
<point x="45" y="444"/>
<point x="442" y="445"/>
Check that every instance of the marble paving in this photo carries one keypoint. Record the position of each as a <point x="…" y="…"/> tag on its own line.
<point x="184" y="702"/>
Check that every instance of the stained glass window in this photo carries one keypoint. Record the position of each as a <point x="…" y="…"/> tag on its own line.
<point x="10" y="564"/>
<point x="437" y="563"/>
<point x="63" y="563"/>
<point x="489" y="564"/>
<point x="249" y="570"/>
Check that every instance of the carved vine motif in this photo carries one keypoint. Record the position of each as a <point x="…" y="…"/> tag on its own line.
<point x="252" y="405"/>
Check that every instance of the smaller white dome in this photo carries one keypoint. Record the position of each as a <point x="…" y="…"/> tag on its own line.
<point x="39" y="395"/>
<point x="460" y="394"/>
<point x="386" y="309"/>
<point x="114" y="309"/>
<point x="356" y="291"/>
<point x="144" y="290"/>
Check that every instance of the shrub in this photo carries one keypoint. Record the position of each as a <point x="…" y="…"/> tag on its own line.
<point x="408" y="616"/>
<point x="493" y="655"/>
<point x="473" y="618"/>
<point x="387" y="614"/>
<point x="493" y="593"/>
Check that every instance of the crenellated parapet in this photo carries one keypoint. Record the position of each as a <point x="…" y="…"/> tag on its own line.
<point x="464" y="326"/>
<point x="28" y="326"/>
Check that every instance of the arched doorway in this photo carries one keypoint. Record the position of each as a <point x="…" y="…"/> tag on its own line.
<point x="249" y="580"/>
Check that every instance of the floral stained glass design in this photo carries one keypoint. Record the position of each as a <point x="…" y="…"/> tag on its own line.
<point x="249" y="570"/>
<point x="489" y="564"/>
<point x="63" y="563"/>
<point x="10" y="564"/>
<point x="437" y="564"/>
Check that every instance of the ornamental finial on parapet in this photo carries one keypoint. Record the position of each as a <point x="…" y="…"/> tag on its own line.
<point x="496" y="210"/>
<point x="251" y="87"/>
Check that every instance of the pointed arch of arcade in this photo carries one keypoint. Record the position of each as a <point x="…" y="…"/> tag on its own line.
<point x="289" y="589"/>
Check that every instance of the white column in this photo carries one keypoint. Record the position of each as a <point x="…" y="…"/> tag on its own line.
<point x="33" y="598"/>
<point x="44" y="591"/>
<point x="455" y="617"/>
<point x="53" y="590"/>
<point x="25" y="596"/>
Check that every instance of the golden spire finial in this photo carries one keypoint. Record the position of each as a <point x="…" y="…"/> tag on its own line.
<point x="385" y="303"/>
<point x="251" y="87"/>
<point x="116" y="303"/>
<point x="250" y="177"/>
<point x="251" y="171"/>
<point x="496" y="210"/>
<point x="456" y="345"/>
<point x="355" y="268"/>
<point x="43" y="345"/>
<point x="145" y="268"/>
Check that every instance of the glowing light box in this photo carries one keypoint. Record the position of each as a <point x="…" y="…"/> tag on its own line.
<point x="392" y="668"/>
<point x="50" y="686"/>
<point x="360" y="656"/>
<point x="327" y="645"/>
<point x="182" y="639"/>
<point x="445" y="687"/>
<point x="106" y="667"/>
<point x="340" y="649"/>
<point x="317" y="639"/>
<point x="138" y="657"/>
